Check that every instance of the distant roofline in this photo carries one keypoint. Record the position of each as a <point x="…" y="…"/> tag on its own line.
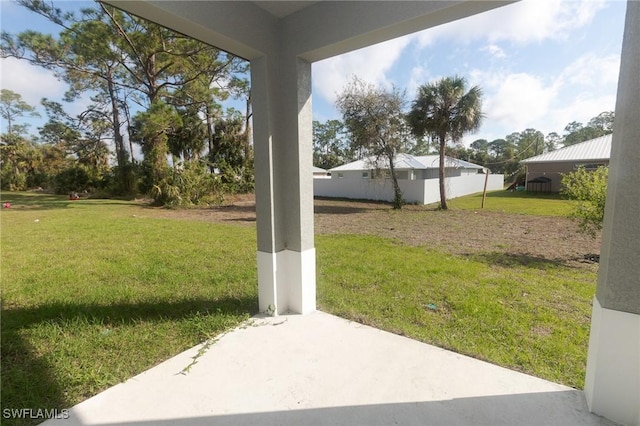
<point x="457" y="163"/>
<point x="600" y="143"/>
<point x="579" y="160"/>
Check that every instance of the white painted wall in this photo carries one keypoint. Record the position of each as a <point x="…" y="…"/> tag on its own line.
<point x="415" y="191"/>
<point x="465" y="185"/>
<point x="356" y="188"/>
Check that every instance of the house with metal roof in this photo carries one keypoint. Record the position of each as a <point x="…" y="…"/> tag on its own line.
<point x="417" y="175"/>
<point x="320" y="173"/>
<point x="545" y="171"/>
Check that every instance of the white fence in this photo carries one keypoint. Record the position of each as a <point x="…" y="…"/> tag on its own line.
<point x="424" y="191"/>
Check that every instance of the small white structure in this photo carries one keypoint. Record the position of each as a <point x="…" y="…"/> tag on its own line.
<point x="320" y="173"/>
<point x="417" y="176"/>
<point x="554" y="164"/>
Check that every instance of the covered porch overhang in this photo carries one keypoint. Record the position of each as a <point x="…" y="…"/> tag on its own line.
<point x="282" y="39"/>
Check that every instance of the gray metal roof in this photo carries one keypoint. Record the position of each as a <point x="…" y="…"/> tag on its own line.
<point x="408" y="162"/>
<point x="591" y="150"/>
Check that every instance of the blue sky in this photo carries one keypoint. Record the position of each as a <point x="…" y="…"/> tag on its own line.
<point x="540" y="63"/>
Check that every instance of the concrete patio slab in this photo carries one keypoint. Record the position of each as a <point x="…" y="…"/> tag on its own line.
<point x="321" y="369"/>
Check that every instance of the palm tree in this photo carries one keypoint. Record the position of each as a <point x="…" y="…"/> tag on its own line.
<point x="444" y="111"/>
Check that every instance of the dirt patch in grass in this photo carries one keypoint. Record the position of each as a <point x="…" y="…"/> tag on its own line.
<point x="500" y="237"/>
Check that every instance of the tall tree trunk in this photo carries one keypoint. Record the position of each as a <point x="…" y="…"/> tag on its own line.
<point x="115" y="121"/>
<point x="247" y="131"/>
<point x="441" y="175"/>
<point x="158" y="150"/>
<point x="121" y="154"/>
<point x="128" y="117"/>
<point x="398" y="201"/>
<point x="210" y="133"/>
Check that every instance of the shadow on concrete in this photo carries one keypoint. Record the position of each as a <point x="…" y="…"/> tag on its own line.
<point x="545" y="408"/>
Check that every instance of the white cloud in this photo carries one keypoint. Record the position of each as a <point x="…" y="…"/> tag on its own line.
<point x="370" y="64"/>
<point x="592" y="70"/>
<point x="583" y="107"/>
<point x="495" y="51"/>
<point x="516" y="101"/>
<point x="34" y="83"/>
<point x="419" y="75"/>
<point x="31" y="82"/>
<point x="522" y="22"/>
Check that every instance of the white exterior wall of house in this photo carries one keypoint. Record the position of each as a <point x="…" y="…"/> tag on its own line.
<point x="449" y="172"/>
<point x="422" y="191"/>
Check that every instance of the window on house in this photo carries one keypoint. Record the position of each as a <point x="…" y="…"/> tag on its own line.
<point x="365" y="175"/>
<point x="340" y="175"/>
<point x="588" y="166"/>
<point x="380" y="174"/>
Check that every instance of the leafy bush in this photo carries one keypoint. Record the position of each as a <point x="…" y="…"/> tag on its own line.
<point x="589" y="188"/>
<point x="237" y="180"/>
<point x="74" y="178"/>
<point x="121" y="180"/>
<point x="11" y="181"/>
<point x="190" y="185"/>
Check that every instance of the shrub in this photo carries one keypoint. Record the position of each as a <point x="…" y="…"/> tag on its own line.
<point x="190" y="185"/>
<point x="237" y="180"/>
<point x="589" y="188"/>
<point x="72" y="179"/>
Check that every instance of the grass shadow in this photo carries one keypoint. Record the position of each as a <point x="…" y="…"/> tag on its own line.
<point x="28" y="379"/>
<point x="17" y="386"/>
<point x="524" y="195"/>
<point x="352" y="205"/>
<point x="42" y="201"/>
<point x="509" y="260"/>
<point x="123" y="313"/>
<point x="235" y="208"/>
<point x="242" y="219"/>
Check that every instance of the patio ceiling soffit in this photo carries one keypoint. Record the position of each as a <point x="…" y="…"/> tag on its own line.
<point x="312" y="30"/>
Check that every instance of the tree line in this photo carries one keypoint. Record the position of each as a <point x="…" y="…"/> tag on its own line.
<point x="162" y="92"/>
<point x="379" y="127"/>
<point x="378" y="124"/>
<point x="149" y="87"/>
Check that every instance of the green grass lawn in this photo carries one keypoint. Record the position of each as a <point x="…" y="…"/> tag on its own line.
<point x="531" y="316"/>
<point x="521" y="202"/>
<point x="95" y="291"/>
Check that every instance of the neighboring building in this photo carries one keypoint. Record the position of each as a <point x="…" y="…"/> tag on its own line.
<point x="319" y="173"/>
<point x="544" y="172"/>
<point x="417" y="176"/>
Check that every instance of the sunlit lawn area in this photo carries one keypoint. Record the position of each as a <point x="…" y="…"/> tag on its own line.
<point x="95" y="291"/>
<point x="529" y="316"/>
<point x="520" y="202"/>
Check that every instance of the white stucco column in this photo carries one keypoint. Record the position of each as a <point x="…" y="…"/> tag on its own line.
<point x="612" y="384"/>
<point x="281" y="86"/>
